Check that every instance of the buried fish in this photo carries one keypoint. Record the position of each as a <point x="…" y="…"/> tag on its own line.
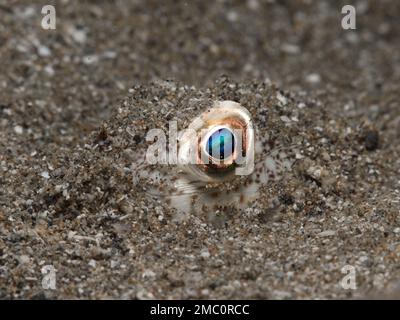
<point x="220" y="160"/>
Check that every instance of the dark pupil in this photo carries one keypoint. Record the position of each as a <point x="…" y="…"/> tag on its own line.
<point x="221" y="144"/>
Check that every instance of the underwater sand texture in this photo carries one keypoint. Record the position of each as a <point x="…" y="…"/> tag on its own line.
<point x="73" y="120"/>
<point x="337" y="205"/>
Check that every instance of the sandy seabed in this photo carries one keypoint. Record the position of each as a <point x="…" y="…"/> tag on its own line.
<point x="75" y="106"/>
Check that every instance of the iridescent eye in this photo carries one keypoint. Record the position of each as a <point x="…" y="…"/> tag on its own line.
<point x="221" y="143"/>
<point x="217" y="142"/>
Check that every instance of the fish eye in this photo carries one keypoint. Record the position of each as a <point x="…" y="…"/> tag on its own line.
<point x="220" y="143"/>
<point x="221" y="138"/>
